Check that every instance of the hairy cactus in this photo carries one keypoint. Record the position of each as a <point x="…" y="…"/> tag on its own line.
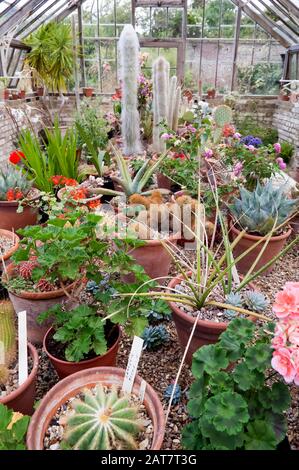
<point x="262" y="209"/>
<point x="11" y="178"/>
<point x="256" y="301"/>
<point x="7" y="338"/>
<point x="129" y="63"/>
<point x="102" y="421"/>
<point x="160" y="99"/>
<point x="222" y="115"/>
<point x="155" y="336"/>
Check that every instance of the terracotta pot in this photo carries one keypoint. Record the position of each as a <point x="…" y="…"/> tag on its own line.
<point x="22" y="399"/>
<point x="40" y="91"/>
<point x="274" y="247"/>
<point x="163" y="181"/>
<point x="206" y="331"/>
<point x="35" y="303"/>
<point x="65" y="368"/>
<point x="72" y="385"/>
<point x="6" y="94"/>
<point x="211" y="94"/>
<point x="88" y="91"/>
<point x="284" y="97"/>
<point x="13" y="221"/>
<point x="9" y="253"/>
<point x="153" y="257"/>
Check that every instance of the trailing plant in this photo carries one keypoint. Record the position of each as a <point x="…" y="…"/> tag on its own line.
<point x="102" y="420"/>
<point x="7" y="339"/>
<point x="287" y="151"/>
<point x="236" y="408"/>
<point x="261" y="210"/>
<point x="154" y="337"/>
<point x="13" y="428"/>
<point x="14" y="184"/>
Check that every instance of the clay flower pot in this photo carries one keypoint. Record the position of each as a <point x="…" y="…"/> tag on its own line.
<point x="274" y="247"/>
<point x="72" y="385"/>
<point x="10" y="219"/>
<point x="153" y="257"/>
<point x="40" y="91"/>
<point x="65" y="368"/>
<point x="9" y="253"/>
<point x="35" y="303"/>
<point x="88" y="91"/>
<point x="206" y="331"/>
<point x="22" y="94"/>
<point x="22" y="399"/>
<point x="211" y="93"/>
<point x="164" y="182"/>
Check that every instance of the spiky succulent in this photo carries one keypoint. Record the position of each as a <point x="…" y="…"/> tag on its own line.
<point x="102" y="420"/>
<point x="256" y="301"/>
<point x="222" y="115"/>
<point x="177" y="393"/>
<point x="11" y="178"/>
<point x="7" y="338"/>
<point x="262" y="209"/>
<point x="26" y="268"/>
<point x="234" y="299"/>
<point x="154" y="336"/>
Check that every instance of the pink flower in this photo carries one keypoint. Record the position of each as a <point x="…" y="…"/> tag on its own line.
<point x="287" y="301"/>
<point x="166" y="136"/>
<point x="208" y="153"/>
<point x="251" y="148"/>
<point x="282" y="362"/>
<point x="293" y="333"/>
<point x="238" y="169"/>
<point x="295" y="359"/>
<point x="280" y="338"/>
<point x="277" y="147"/>
<point x="237" y="135"/>
<point x="282" y="165"/>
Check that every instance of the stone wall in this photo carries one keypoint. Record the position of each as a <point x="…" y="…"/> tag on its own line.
<point x="286" y="119"/>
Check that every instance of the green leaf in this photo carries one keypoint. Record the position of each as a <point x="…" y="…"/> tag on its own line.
<point x="219" y="440"/>
<point x="136" y="326"/>
<point x="227" y="411"/>
<point x="210" y="358"/>
<point x="279" y="424"/>
<point x="277" y="398"/>
<point x="246" y="378"/>
<point x="19" y="428"/>
<point x="5" y="416"/>
<point x="260" y="436"/>
<point x="191" y="437"/>
<point x="219" y="382"/>
<point x="258" y="356"/>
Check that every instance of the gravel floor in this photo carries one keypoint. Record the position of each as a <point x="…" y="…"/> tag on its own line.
<point x="159" y="368"/>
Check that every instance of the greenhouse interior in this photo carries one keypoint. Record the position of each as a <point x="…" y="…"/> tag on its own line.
<point x="149" y="227"/>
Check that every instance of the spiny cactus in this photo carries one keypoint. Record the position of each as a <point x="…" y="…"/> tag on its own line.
<point x="258" y="211"/>
<point x="256" y="301"/>
<point x="7" y="338"/>
<point x="11" y="178"/>
<point x="129" y="66"/>
<point x="222" y="115"/>
<point x="155" y="336"/>
<point x="102" y="421"/>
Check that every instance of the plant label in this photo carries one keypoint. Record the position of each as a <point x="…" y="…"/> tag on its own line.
<point x="142" y="390"/>
<point x="22" y="347"/>
<point x="132" y="364"/>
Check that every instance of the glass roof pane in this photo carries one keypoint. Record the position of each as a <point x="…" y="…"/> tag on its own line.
<point x="41" y="15"/>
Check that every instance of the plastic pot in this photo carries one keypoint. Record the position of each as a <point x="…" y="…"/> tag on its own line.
<point x="72" y="385"/>
<point x="65" y="368"/>
<point x="22" y="399"/>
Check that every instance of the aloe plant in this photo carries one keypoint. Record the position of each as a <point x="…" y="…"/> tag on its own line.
<point x="102" y="421"/>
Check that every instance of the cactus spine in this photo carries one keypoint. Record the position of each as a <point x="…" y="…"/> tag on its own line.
<point x="129" y="71"/>
<point x="166" y="101"/>
<point x="7" y="339"/>
<point x="101" y="421"/>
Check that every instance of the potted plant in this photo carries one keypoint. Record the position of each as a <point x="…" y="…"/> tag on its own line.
<point x="79" y="339"/>
<point x="211" y="92"/>
<point x="18" y="397"/>
<point x="13" y="428"/>
<point x="16" y="195"/>
<point x="88" y="91"/>
<point x="235" y="402"/>
<point x="264" y="211"/>
<point x="284" y="94"/>
<point x="9" y="243"/>
<point x="99" y="385"/>
<point x="3" y="88"/>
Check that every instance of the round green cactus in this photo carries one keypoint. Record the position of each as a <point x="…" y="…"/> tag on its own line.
<point x="222" y="115"/>
<point x="102" y="420"/>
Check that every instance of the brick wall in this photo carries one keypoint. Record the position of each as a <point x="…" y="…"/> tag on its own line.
<point x="286" y="119"/>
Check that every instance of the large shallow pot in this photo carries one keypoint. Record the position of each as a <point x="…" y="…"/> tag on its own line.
<point x="8" y="254"/>
<point x="153" y="257"/>
<point x="22" y="399"/>
<point x="65" y="368"/>
<point x="206" y="331"/>
<point x="10" y="219"/>
<point x="274" y="247"/>
<point x="72" y="385"/>
<point x="35" y="303"/>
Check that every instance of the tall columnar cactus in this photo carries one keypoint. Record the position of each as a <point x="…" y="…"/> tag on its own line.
<point x="7" y="338"/>
<point x="223" y="115"/>
<point x="129" y="71"/>
<point x="102" y="421"/>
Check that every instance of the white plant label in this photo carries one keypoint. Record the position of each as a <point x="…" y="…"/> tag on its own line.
<point x="132" y="364"/>
<point x="142" y="390"/>
<point x="23" y="355"/>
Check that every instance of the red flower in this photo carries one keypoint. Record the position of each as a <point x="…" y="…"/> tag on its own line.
<point x="70" y="182"/>
<point x="78" y="194"/>
<point x="16" y="156"/>
<point x="182" y="156"/>
<point x="94" y="204"/>
<point x="117" y="95"/>
<point x="14" y="195"/>
<point x="60" y="180"/>
<point x="228" y="130"/>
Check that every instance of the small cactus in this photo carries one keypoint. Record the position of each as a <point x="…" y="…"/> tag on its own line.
<point x="7" y="338"/>
<point x="177" y="394"/>
<point x="44" y="285"/>
<point x="256" y="301"/>
<point x="25" y="268"/>
<point x="102" y="421"/>
<point x="155" y="336"/>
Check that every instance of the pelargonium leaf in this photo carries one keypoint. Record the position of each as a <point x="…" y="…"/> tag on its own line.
<point x="246" y="378"/>
<point x="277" y="398"/>
<point x="191" y="437"/>
<point x="210" y="358"/>
<point x="228" y="411"/>
<point x="260" y="436"/>
<point x="219" y="440"/>
<point x="219" y="382"/>
<point x="258" y="356"/>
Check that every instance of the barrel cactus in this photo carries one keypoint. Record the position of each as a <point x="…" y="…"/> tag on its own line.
<point x="7" y="339"/>
<point x="102" y="420"/>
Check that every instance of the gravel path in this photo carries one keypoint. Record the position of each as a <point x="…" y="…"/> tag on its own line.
<point x="159" y="367"/>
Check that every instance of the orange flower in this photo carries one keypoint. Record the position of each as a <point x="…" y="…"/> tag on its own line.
<point x="94" y="204"/>
<point x="228" y="130"/>
<point x="78" y="194"/>
<point x="14" y="195"/>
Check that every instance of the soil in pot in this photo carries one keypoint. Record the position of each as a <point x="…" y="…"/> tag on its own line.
<point x="21" y="398"/>
<point x="274" y="247"/>
<point x="56" y="353"/>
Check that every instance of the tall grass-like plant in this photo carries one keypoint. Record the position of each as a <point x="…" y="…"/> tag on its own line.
<point x="62" y="151"/>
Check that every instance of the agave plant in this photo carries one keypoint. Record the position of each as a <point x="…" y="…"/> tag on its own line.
<point x="11" y="178"/>
<point x="102" y="421"/>
<point x="262" y="209"/>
